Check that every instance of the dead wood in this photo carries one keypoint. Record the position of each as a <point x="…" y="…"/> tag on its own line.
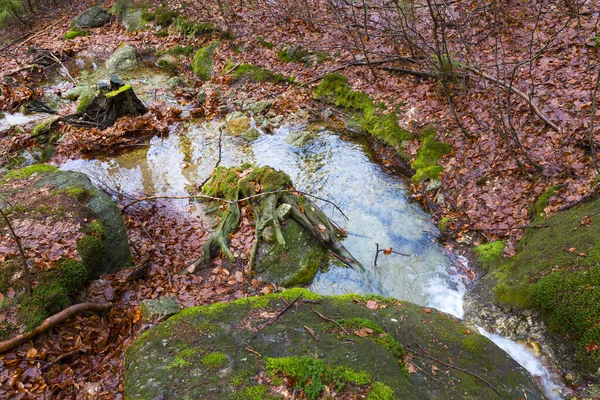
<point x="52" y="321"/>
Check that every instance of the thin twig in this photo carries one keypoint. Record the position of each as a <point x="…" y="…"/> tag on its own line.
<point x="204" y="196"/>
<point x="63" y="67"/>
<point x="251" y="350"/>
<point x="330" y="320"/>
<point x="280" y="313"/>
<point x="311" y="332"/>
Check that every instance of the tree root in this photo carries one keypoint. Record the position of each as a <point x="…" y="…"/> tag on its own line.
<point x="52" y="321"/>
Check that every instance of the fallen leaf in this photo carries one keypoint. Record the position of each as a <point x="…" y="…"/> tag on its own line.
<point x="427" y="310"/>
<point x="372" y="304"/>
<point x="388" y="251"/>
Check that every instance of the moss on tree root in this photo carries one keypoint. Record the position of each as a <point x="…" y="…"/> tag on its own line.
<point x="237" y="183"/>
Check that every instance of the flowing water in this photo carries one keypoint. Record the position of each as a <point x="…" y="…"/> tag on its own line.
<point x="375" y="203"/>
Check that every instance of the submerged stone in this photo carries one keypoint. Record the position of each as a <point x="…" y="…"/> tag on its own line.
<point x="299" y="138"/>
<point x="124" y="58"/>
<point x="381" y="345"/>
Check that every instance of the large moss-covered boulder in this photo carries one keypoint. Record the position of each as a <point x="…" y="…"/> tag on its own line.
<point x="202" y="63"/>
<point x="548" y="291"/>
<point x="93" y="17"/>
<point x="116" y="255"/>
<point x="123" y="59"/>
<point x="384" y="349"/>
<point x="69" y="232"/>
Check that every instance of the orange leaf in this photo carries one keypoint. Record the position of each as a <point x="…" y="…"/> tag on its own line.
<point x="427" y="310"/>
<point x="388" y="251"/>
<point x="372" y="304"/>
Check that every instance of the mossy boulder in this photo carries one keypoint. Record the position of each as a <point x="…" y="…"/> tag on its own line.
<point x="294" y="263"/>
<point x="157" y="309"/>
<point x="123" y="59"/>
<point x="132" y="20"/>
<point x="555" y="276"/>
<point x="115" y="254"/>
<point x="382" y="347"/>
<point x="238" y="124"/>
<point x="202" y="63"/>
<point x="93" y="17"/>
<point x="300" y="138"/>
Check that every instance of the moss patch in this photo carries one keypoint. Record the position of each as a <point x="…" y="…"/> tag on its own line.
<point x="30" y="170"/>
<point x="557" y="271"/>
<point x="193" y="29"/>
<point x="429" y="153"/>
<point x="490" y="254"/>
<point x="214" y="360"/>
<point x="256" y="74"/>
<point x="74" y="32"/>
<point x="335" y="89"/>
<point x="202" y="63"/>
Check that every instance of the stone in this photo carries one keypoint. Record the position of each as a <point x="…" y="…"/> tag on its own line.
<point x="174" y="82"/>
<point x="268" y="235"/>
<point x="238" y="124"/>
<point x="277" y="120"/>
<point x="168" y="62"/>
<point x="202" y="63"/>
<point x="123" y="59"/>
<point x="299" y="138"/>
<point x="258" y="107"/>
<point x="93" y="17"/>
<point x="116" y="254"/>
<point x="283" y="211"/>
<point x="295" y="263"/>
<point x="211" y="343"/>
<point x="251" y="134"/>
<point x="132" y="20"/>
<point x="158" y="309"/>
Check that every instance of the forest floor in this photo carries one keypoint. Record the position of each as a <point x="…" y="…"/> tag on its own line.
<point x="490" y="180"/>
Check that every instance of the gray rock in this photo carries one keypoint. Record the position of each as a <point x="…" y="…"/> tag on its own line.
<point x="251" y="134"/>
<point x="211" y="343"/>
<point x="132" y="20"/>
<point x="93" y="17"/>
<point x="258" y="107"/>
<point x="124" y="58"/>
<point x="158" y="309"/>
<point x="174" y="82"/>
<point x="168" y="62"/>
<point x="116" y="251"/>
<point x="299" y="138"/>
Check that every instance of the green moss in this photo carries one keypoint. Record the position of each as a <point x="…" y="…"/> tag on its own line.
<point x="74" y="32"/>
<point x="28" y="171"/>
<point x="47" y="299"/>
<point x="490" y="254"/>
<point x="311" y="375"/>
<point x="257" y="74"/>
<point x="429" y="153"/>
<point x="181" y="50"/>
<point x="293" y="54"/>
<point x="355" y="323"/>
<point x="202" y="63"/>
<point x="335" y="89"/>
<point x="80" y="194"/>
<point x="91" y="250"/>
<point x="264" y="43"/>
<point x="444" y="224"/>
<point x="71" y="275"/>
<point x="184" y="359"/>
<point x="120" y="90"/>
<point x="162" y="16"/>
<point x="537" y="210"/>
<point x="358" y="378"/>
<point x="380" y="391"/>
<point x="214" y="360"/>
<point x="192" y="29"/>
<point x="251" y="393"/>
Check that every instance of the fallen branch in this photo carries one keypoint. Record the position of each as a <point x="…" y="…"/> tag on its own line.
<point x="52" y="321"/>
<point x="516" y="91"/>
<point x="17" y="240"/>
<point x="386" y="252"/>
